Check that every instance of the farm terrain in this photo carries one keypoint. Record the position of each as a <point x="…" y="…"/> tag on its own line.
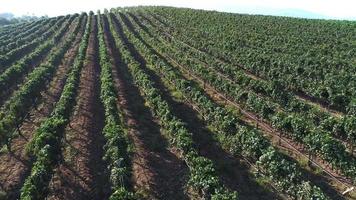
<point x="174" y="103"/>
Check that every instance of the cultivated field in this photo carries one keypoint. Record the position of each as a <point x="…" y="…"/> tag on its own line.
<point x="172" y="103"/>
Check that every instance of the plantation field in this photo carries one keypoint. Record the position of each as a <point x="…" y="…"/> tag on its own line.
<point x="173" y="103"/>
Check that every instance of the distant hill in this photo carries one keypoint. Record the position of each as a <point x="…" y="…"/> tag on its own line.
<point x="288" y="12"/>
<point x="300" y="14"/>
<point x="9" y="18"/>
<point x="6" y="19"/>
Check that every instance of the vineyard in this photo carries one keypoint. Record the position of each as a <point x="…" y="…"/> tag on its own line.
<point x="174" y="103"/>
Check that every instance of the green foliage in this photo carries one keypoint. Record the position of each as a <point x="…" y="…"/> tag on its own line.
<point x="203" y="177"/>
<point x="246" y="141"/>
<point x="122" y="194"/>
<point x="23" y="99"/>
<point x="45" y="145"/>
<point x="116" y="147"/>
<point x="223" y="50"/>
<point x="292" y="116"/>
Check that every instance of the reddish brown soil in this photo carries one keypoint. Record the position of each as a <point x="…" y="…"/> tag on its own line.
<point x="233" y="173"/>
<point x="15" y="166"/>
<point x="82" y="174"/>
<point x="158" y="170"/>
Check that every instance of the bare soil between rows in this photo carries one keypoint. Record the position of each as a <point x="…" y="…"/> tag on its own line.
<point x="16" y="165"/>
<point x="82" y="174"/>
<point x="158" y="170"/>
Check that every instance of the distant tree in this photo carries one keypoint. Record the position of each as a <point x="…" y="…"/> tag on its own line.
<point x="9" y="18"/>
<point x="4" y="21"/>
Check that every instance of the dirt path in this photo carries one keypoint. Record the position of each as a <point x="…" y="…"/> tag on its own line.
<point x="16" y="165"/>
<point x="82" y="174"/>
<point x="157" y="168"/>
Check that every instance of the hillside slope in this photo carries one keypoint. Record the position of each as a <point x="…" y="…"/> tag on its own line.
<point x="174" y="103"/>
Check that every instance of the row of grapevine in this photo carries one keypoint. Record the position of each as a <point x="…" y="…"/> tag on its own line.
<point x="16" y="29"/>
<point x="203" y="176"/>
<point x="9" y="43"/>
<point x="18" y="52"/>
<point x="235" y="137"/>
<point x="273" y="90"/>
<point x="28" y="36"/>
<point x="16" y="108"/>
<point x="116" y="148"/>
<point x="45" y="145"/>
<point x="13" y="74"/>
<point x="301" y="68"/>
<point x="293" y="125"/>
<point x="246" y="80"/>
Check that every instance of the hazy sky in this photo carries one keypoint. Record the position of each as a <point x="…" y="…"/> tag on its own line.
<point x="342" y="9"/>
